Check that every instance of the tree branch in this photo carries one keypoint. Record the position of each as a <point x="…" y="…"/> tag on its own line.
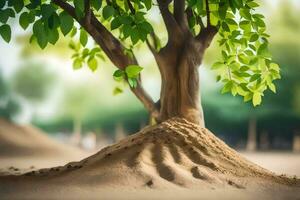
<point x="179" y="7"/>
<point x="207" y="34"/>
<point x="169" y="20"/>
<point x="207" y="13"/>
<point x="130" y="7"/>
<point x="112" y="48"/>
<point x="88" y="12"/>
<point x="189" y="13"/>
<point x="153" y="48"/>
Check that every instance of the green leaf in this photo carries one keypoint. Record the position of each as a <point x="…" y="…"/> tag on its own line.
<point x="126" y="30"/>
<point x="254" y="37"/>
<point x="134" y="35"/>
<point x="108" y="11"/>
<point x="225" y="27"/>
<point x="245" y="25"/>
<point x="47" y="10"/>
<point x="40" y="33"/>
<point x="17" y="4"/>
<point x="79" y="8"/>
<point x="115" y="23"/>
<point x="126" y="20"/>
<point x="274" y="66"/>
<point x="77" y="63"/>
<point x="2" y="3"/>
<point x="247" y="97"/>
<point x="66" y="22"/>
<point x="53" y="21"/>
<point x="272" y="87"/>
<point x="146" y="26"/>
<point x="23" y="21"/>
<point x="259" y="22"/>
<point x="5" y="14"/>
<point x="218" y="65"/>
<point x="254" y="77"/>
<point x="132" y="71"/>
<point x="5" y="32"/>
<point x="243" y="59"/>
<point x="132" y="82"/>
<point x="83" y="37"/>
<point x="256" y="100"/>
<point x="117" y="91"/>
<point x="245" y="13"/>
<point x="263" y="50"/>
<point x="33" y="4"/>
<point x="227" y="87"/>
<point x="252" y="4"/>
<point x="53" y="36"/>
<point x="119" y="75"/>
<point x="148" y="4"/>
<point x="96" y="4"/>
<point x="230" y="21"/>
<point x="92" y="63"/>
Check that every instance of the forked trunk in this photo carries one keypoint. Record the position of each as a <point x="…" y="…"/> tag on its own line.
<point x="180" y="92"/>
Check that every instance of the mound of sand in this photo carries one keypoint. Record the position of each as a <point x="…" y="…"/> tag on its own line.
<point x="172" y="155"/>
<point x="19" y="143"/>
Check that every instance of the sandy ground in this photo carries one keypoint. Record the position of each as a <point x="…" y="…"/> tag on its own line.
<point x="278" y="162"/>
<point x="173" y="160"/>
<point x="26" y="148"/>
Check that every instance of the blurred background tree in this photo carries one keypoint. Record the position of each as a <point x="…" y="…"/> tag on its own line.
<point x="9" y="106"/>
<point x="33" y="82"/>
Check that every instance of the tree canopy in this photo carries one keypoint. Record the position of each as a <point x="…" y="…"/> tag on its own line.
<point x="117" y="27"/>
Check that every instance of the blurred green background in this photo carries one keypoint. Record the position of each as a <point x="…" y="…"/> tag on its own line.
<point x="40" y="87"/>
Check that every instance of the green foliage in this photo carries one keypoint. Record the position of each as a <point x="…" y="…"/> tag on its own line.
<point x="5" y="32"/>
<point x="245" y="67"/>
<point x="117" y="91"/>
<point x="67" y="22"/>
<point x="87" y="56"/>
<point x="131" y="73"/>
<point x="33" y="82"/>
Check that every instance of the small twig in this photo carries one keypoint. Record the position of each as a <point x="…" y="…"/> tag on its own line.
<point x="130" y="7"/>
<point x="207" y="13"/>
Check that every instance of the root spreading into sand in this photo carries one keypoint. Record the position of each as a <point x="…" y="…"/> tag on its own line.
<point x="175" y="154"/>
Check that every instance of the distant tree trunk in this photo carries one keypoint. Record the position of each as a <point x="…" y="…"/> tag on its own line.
<point x="76" y="137"/>
<point x="251" y="142"/>
<point x="264" y="143"/>
<point x="119" y="132"/>
<point x="296" y="142"/>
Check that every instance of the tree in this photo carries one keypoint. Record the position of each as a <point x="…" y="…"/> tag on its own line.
<point x="33" y="82"/>
<point x="9" y="106"/>
<point x="118" y="27"/>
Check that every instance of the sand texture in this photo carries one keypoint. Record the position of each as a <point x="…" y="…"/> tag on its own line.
<point x="173" y="160"/>
<point x="26" y="147"/>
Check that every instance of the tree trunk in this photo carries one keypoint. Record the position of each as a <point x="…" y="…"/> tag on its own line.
<point x="180" y="92"/>
<point x="76" y="136"/>
<point x="251" y="142"/>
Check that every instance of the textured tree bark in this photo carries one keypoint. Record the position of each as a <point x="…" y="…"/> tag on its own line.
<point x="180" y="94"/>
<point x="180" y="97"/>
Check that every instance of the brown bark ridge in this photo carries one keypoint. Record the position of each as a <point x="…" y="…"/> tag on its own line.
<point x="178" y="61"/>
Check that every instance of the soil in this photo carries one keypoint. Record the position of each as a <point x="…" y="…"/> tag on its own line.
<point x="173" y="160"/>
